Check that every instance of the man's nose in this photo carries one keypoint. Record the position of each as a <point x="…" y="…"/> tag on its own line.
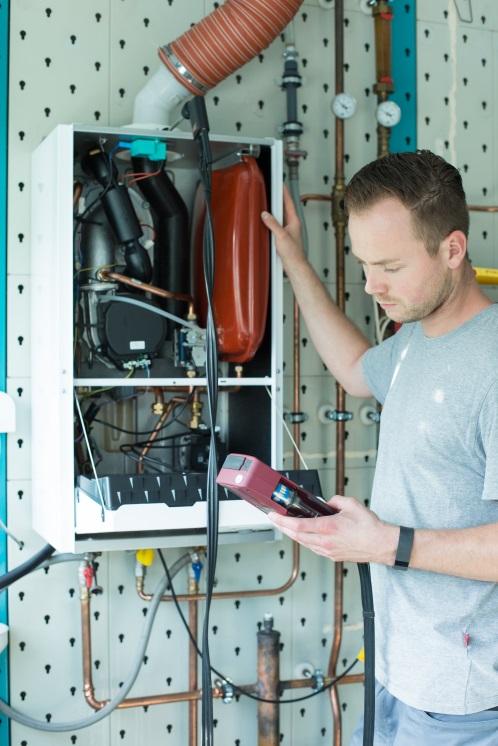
<point x="375" y="284"/>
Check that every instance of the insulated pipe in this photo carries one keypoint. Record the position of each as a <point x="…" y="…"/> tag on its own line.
<point x="171" y="247"/>
<point x="209" y="52"/>
<point x="339" y="221"/>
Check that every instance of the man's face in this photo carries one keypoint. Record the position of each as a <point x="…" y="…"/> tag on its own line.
<point x="405" y="280"/>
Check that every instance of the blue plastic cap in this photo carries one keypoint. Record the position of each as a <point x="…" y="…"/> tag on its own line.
<point x="197" y="569"/>
<point x="154" y="150"/>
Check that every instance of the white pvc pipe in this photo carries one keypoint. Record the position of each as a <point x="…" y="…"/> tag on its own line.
<point x="158" y="99"/>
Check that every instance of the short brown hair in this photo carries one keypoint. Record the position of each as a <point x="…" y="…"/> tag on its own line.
<point x="423" y="182"/>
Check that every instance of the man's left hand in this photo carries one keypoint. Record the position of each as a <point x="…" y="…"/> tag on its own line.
<point x="353" y="534"/>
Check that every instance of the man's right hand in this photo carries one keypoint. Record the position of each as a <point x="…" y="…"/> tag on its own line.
<point x="287" y="237"/>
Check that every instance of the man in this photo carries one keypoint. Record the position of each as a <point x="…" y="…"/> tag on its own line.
<point x="437" y="464"/>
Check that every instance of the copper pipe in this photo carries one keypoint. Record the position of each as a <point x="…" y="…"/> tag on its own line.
<point x="155" y="432"/>
<point x="86" y="645"/>
<point x="357" y="678"/>
<point x="191" y="696"/>
<point x="193" y="614"/>
<point x="339" y="222"/>
<point x="268" y="684"/>
<point x="315" y="198"/>
<point x="482" y="208"/>
<point x="225" y="595"/>
<point x="88" y="689"/>
<point x="104" y="276"/>
<point x="77" y="190"/>
<point x="383" y="14"/>
<point x="296" y="405"/>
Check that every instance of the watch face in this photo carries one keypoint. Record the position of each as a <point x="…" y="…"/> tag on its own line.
<point x="388" y="113"/>
<point x="344" y="105"/>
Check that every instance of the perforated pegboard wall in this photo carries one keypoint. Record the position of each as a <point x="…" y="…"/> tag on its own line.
<point x="84" y="62"/>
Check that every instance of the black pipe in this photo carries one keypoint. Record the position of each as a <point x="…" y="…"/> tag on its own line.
<point x="171" y="247"/>
<point x="291" y="81"/>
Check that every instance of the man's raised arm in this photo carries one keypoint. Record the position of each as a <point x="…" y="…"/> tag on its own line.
<point x="338" y="341"/>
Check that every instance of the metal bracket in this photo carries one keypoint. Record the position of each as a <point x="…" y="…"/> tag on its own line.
<point x="336" y="416"/>
<point x="296" y="418"/>
<point x="318" y="679"/>
<point x="227" y="690"/>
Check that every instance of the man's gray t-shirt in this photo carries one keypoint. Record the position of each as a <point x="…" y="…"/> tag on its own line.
<point x="437" y="468"/>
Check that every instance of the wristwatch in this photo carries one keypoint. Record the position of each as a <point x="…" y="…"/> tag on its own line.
<point x="404" y="549"/>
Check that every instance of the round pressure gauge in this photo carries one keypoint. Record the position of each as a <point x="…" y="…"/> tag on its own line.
<point x="344" y="105"/>
<point x="388" y="113"/>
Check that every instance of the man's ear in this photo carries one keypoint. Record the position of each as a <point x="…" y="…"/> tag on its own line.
<point x="455" y="248"/>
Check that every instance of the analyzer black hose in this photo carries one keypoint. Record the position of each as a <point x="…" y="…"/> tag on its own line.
<point x="369" y="645"/>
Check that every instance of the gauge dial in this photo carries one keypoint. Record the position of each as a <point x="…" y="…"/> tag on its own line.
<point x="388" y="113"/>
<point x="344" y="105"/>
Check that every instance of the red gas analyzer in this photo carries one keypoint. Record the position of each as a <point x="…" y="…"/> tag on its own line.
<point x="267" y="489"/>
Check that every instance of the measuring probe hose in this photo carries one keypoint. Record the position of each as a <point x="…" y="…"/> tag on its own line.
<point x="369" y="644"/>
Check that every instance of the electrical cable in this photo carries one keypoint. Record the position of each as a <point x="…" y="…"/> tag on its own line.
<point x="8" y="532"/>
<point x="90" y="454"/>
<point x="148" y="432"/>
<point x="95" y="717"/>
<point x="31" y="564"/>
<point x="195" y="110"/>
<point x="237" y="688"/>
<point x="287" y="429"/>
<point x="369" y="644"/>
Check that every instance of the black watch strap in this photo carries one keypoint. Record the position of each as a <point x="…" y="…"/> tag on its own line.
<point x="404" y="549"/>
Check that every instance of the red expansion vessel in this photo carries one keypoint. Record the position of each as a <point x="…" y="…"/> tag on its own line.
<point x="242" y="262"/>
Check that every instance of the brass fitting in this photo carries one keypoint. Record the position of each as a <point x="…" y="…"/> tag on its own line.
<point x="196" y="410"/>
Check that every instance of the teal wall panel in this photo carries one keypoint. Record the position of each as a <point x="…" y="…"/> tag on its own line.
<point x="404" y="71"/>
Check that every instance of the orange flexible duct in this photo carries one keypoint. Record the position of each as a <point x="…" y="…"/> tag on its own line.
<point x="225" y="40"/>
